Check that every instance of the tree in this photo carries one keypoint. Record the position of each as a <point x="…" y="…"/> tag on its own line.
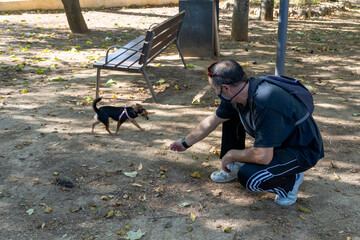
<point x="267" y="9"/>
<point x="240" y="20"/>
<point x="74" y="16"/>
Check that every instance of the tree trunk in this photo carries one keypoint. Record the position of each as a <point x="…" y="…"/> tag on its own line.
<point x="74" y="16"/>
<point x="267" y="9"/>
<point x="239" y="28"/>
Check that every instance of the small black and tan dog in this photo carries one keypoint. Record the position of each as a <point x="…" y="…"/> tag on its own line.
<point x="119" y="114"/>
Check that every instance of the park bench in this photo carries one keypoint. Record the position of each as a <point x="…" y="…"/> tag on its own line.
<point x="134" y="56"/>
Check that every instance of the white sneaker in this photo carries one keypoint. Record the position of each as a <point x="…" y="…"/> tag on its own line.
<point x="292" y="195"/>
<point x="221" y="176"/>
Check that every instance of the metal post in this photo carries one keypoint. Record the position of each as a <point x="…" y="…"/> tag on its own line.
<point x="282" y="33"/>
<point x="97" y="83"/>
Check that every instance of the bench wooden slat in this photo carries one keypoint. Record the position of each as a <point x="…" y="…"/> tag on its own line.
<point x="162" y="26"/>
<point x="131" y="62"/>
<point x="128" y="60"/>
<point x="169" y="33"/>
<point x="135" y="44"/>
<point x="166" y="34"/>
<point x="157" y="49"/>
<point x="125" y="56"/>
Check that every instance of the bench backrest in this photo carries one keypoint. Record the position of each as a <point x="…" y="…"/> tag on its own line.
<point x="160" y="37"/>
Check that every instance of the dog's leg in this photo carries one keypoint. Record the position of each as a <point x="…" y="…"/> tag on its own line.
<point x="107" y="127"/>
<point x="137" y="125"/>
<point x="93" y="126"/>
<point x="118" y="127"/>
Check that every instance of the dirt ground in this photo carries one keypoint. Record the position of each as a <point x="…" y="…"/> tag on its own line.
<point x="47" y="82"/>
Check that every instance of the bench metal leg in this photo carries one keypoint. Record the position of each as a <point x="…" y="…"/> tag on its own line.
<point x="149" y="84"/>
<point x="97" y="83"/>
<point x="182" y="58"/>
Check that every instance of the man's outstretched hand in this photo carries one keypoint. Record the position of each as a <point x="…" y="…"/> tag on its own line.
<point x="177" y="146"/>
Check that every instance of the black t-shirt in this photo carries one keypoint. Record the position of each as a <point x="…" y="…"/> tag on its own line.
<point x="271" y="116"/>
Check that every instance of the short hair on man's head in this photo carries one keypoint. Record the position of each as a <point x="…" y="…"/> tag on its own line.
<point x="231" y="71"/>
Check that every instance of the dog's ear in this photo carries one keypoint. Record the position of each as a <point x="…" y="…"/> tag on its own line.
<point x="138" y="105"/>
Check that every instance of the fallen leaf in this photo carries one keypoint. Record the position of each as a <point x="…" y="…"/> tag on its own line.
<point x="161" y="81"/>
<point x="131" y="235"/>
<point x="131" y="174"/>
<point x="195" y="174"/>
<point x="333" y="164"/>
<point x="160" y="152"/>
<point x="159" y="189"/>
<point x="136" y="185"/>
<point x="205" y="164"/>
<point x="56" y="173"/>
<point x="118" y="213"/>
<point x="120" y="232"/>
<point x="57" y="79"/>
<point x="48" y="209"/>
<point x="227" y="229"/>
<point x="163" y="168"/>
<point x="110" y="83"/>
<point x="193" y="217"/>
<point x="30" y="211"/>
<point x="142" y="198"/>
<point x="110" y="214"/>
<point x="304" y="210"/>
<point x="336" y="177"/>
<point x="302" y="218"/>
<point x="196" y="102"/>
<point x="88" y="99"/>
<point x="184" y="204"/>
<point x="190" y="229"/>
<point x="13" y="180"/>
<point x="140" y="167"/>
<point x="76" y="209"/>
<point x="105" y="197"/>
<point x="217" y="192"/>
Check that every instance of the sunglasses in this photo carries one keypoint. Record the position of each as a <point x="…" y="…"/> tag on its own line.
<point x="214" y="75"/>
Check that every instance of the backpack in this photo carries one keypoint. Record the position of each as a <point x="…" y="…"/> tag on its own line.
<point x="293" y="87"/>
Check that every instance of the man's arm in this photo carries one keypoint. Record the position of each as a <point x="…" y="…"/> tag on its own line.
<point x="249" y="155"/>
<point x="202" y="130"/>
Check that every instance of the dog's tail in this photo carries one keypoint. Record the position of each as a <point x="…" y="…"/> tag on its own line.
<point x="94" y="104"/>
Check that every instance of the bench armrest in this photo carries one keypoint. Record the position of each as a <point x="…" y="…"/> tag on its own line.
<point x="107" y="51"/>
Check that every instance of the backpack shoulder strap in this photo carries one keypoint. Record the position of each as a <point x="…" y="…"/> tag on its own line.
<point x="293" y="87"/>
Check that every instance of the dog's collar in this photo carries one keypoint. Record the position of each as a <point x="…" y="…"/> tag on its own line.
<point x="126" y="113"/>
